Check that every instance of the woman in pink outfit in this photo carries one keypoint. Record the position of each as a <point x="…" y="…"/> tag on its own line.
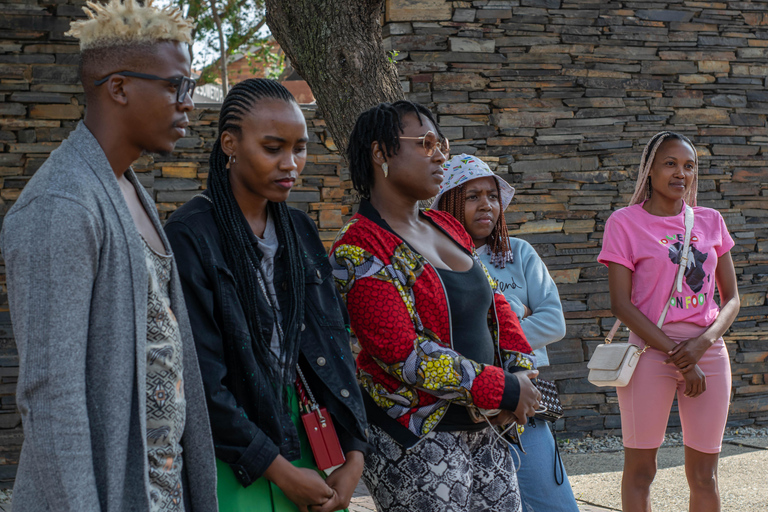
<point x="642" y="247"/>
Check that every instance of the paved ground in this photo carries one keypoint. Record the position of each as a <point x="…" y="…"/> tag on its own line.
<point x="596" y="478"/>
<point x="743" y="471"/>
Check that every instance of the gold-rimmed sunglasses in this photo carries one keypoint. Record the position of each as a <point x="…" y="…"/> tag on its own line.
<point x="431" y="142"/>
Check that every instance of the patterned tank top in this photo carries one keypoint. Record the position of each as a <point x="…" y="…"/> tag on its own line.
<point x="166" y="406"/>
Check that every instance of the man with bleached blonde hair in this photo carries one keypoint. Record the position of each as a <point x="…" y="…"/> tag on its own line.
<point x="109" y="386"/>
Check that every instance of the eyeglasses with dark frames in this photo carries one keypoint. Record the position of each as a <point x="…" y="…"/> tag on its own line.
<point x="184" y="85"/>
<point x="431" y="143"/>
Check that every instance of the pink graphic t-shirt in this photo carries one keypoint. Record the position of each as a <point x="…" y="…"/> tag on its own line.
<point x="650" y="247"/>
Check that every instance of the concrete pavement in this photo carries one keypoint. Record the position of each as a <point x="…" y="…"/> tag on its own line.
<point x="742" y="472"/>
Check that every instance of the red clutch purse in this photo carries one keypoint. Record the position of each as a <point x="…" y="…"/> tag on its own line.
<point x="319" y="426"/>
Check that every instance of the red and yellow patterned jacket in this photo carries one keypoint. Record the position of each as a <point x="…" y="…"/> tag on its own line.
<point x="399" y="311"/>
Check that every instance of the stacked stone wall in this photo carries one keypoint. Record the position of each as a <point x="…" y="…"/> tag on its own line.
<point x="560" y="96"/>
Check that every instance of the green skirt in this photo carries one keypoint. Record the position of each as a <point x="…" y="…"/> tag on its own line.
<point x="262" y="495"/>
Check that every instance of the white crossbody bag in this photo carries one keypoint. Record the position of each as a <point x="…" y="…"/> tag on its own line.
<point x="612" y="364"/>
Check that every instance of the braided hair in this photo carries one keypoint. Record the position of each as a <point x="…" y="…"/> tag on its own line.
<point x="383" y="124"/>
<point x="239" y="253"/>
<point x="452" y="201"/>
<point x="643" y="184"/>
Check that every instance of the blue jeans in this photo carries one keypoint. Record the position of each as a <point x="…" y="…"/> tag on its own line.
<point x="536" y="476"/>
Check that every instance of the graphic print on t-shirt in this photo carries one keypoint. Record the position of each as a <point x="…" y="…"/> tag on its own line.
<point x="503" y="285"/>
<point x="694" y="271"/>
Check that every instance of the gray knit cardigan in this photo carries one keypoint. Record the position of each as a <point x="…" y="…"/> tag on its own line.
<point x="77" y="290"/>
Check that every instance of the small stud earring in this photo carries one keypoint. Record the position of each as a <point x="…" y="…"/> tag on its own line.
<point x="231" y="160"/>
<point x="385" y="169"/>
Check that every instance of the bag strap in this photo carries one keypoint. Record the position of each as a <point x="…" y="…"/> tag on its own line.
<point x="677" y="284"/>
<point x="306" y="398"/>
<point x="612" y="332"/>
<point x="558" y="462"/>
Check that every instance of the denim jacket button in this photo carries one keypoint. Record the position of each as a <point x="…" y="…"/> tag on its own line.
<point x="317" y="273"/>
<point x="303" y="326"/>
<point x="321" y="362"/>
<point x="345" y="393"/>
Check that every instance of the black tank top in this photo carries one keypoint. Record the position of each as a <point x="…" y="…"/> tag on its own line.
<point x="469" y="300"/>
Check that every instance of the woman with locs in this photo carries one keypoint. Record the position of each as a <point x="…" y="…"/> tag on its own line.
<point x="477" y="198"/>
<point x="261" y="300"/>
<point x="439" y="345"/>
<point x="642" y="247"/>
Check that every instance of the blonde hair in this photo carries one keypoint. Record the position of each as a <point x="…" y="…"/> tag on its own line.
<point x="122" y="23"/>
<point x="643" y="184"/>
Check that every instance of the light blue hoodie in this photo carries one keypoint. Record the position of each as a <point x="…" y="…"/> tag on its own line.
<point x="526" y="282"/>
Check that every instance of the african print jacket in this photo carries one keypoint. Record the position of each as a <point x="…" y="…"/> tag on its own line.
<point x="399" y="311"/>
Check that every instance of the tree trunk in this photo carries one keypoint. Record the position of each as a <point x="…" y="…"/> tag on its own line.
<point x="223" y="48"/>
<point x="336" y="46"/>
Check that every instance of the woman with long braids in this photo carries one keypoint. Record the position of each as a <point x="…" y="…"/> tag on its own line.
<point x="442" y="355"/>
<point x="261" y="300"/>
<point x="477" y="198"/>
<point x="642" y="247"/>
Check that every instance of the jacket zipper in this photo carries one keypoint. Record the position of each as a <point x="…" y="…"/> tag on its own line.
<point x="498" y="328"/>
<point x="447" y="302"/>
<point x="450" y="337"/>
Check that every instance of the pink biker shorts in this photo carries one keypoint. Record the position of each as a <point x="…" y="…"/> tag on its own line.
<point x="646" y="402"/>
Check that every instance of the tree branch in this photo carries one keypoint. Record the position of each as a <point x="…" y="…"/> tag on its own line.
<point x="222" y="48"/>
<point x="246" y="39"/>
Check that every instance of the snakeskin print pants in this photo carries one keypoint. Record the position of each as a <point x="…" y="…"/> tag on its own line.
<point x="445" y="472"/>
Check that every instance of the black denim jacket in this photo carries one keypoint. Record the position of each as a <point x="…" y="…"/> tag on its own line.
<point x="249" y="430"/>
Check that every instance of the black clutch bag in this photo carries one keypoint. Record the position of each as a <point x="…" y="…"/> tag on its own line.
<point x="552" y="409"/>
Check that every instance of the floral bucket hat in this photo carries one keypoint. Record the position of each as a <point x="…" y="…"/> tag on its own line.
<point x="463" y="168"/>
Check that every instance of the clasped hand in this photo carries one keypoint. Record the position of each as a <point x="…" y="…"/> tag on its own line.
<point x="687" y="353"/>
<point x="343" y="482"/>
<point x="307" y="489"/>
<point x="685" y="356"/>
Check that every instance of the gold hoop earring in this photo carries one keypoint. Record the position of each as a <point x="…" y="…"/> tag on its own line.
<point x="385" y="169"/>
